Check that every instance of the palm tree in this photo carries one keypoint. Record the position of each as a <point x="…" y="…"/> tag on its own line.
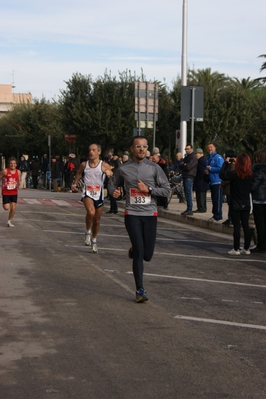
<point x="246" y="84"/>
<point x="262" y="68"/>
<point x="264" y="64"/>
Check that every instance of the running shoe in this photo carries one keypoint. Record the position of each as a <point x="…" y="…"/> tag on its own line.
<point x="88" y="239"/>
<point x="94" y="248"/>
<point x="9" y="224"/>
<point x="141" y="295"/>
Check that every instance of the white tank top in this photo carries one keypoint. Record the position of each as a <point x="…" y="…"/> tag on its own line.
<point x="93" y="181"/>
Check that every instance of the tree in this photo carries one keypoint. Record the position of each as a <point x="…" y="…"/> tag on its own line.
<point x="26" y="127"/>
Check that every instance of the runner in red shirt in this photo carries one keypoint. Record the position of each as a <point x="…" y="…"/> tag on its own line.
<point x="10" y="184"/>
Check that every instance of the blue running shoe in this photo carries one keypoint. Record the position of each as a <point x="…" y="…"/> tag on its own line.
<point x="141" y="295"/>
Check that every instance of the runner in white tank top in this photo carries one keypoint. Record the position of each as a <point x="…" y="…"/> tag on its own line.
<point x="93" y="193"/>
<point x="94" y="183"/>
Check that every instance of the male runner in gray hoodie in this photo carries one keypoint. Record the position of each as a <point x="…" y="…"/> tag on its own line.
<point x="143" y="181"/>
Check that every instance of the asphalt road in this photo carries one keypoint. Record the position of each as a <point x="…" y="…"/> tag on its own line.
<point x="70" y="327"/>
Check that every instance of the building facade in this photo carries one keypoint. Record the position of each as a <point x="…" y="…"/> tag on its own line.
<point x="8" y="99"/>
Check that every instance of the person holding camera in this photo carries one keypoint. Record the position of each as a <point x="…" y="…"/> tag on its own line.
<point x="230" y="158"/>
<point x="240" y="184"/>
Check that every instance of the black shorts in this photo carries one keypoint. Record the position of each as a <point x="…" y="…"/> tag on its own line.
<point x="10" y="198"/>
<point x="96" y="203"/>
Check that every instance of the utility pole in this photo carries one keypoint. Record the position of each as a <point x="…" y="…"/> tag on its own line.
<point x="183" y="124"/>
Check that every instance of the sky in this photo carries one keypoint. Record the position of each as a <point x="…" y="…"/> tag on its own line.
<point x="43" y="43"/>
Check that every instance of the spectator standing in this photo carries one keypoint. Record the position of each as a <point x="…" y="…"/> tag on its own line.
<point x="213" y="166"/>
<point x="34" y="167"/>
<point x="230" y="157"/>
<point x="189" y="171"/>
<point x="156" y="157"/>
<point x="55" y="173"/>
<point x="23" y="167"/>
<point x="114" y="163"/>
<point x="44" y="169"/>
<point x="240" y="183"/>
<point x="71" y="169"/>
<point x="258" y="190"/>
<point x="176" y="166"/>
<point x="199" y="185"/>
<point x="61" y="164"/>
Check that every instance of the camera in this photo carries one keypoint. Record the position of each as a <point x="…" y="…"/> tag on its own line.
<point x="231" y="160"/>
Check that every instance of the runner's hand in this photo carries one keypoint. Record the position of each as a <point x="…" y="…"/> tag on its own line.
<point x="116" y="193"/>
<point x="143" y="187"/>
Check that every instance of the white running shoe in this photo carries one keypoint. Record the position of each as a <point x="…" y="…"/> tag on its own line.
<point x="88" y="239"/>
<point x="245" y="251"/>
<point x="9" y="224"/>
<point x="94" y="248"/>
<point x="234" y="252"/>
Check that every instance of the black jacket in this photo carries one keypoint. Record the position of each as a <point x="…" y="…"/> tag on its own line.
<point x="189" y="166"/>
<point x="239" y="188"/>
<point x="258" y="182"/>
<point x="199" y="184"/>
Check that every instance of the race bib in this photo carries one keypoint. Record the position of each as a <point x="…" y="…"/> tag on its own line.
<point x="93" y="192"/>
<point x="11" y="186"/>
<point x="138" y="197"/>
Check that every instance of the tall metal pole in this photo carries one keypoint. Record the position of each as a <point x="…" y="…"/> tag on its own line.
<point x="154" y="116"/>
<point x="183" y="124"/>
<point x="49" y="145"/>
<point x="192" y="115"/>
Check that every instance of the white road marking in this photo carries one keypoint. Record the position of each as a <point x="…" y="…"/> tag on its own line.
<point x="61" y="202"/>
<point x="226" y="323"/>
<point x="239" y="259"/>
<point x="163" y="253"/>
<point x="203" y="280"/>
<point x="32" y="201"/>
<point x="193" y="299"/>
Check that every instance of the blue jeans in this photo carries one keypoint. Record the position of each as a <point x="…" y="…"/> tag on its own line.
<point x="188" y="185"/>
<point x="217" y="201"/>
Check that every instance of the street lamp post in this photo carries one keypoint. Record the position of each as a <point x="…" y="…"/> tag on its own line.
<point x="183" y="124"/>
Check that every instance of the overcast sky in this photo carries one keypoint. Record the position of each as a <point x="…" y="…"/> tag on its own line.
<point x="43" y="43"/>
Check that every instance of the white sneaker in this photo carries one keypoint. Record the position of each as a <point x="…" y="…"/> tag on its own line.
<point x="245" y="251"/>
<point x="94" y="248"/>
<point x="9" y="224"/>
<point x="88" y="239"/>
<point x="234" y="252"/>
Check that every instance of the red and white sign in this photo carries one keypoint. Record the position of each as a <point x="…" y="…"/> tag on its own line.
<point x="70" y="137"/>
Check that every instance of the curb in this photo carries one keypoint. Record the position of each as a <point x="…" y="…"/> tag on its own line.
<point x="191" y="220"/>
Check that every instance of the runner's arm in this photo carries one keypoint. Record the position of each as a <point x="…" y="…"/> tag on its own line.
<point x="79" y="174"/>
<point x="115" y="182"/>
<point x="107" y="169"/>
<point x="2" y="173"/>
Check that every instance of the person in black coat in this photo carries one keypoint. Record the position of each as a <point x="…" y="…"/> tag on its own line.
<point x="200" y="186"/>
<point x="55" y="173"/>
<point x="258" y="190"/>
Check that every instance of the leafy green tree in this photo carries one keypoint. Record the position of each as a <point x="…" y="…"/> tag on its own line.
<point x="26" y="127"/>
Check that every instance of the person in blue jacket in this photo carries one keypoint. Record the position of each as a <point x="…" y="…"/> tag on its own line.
<point x="213" y="166"/>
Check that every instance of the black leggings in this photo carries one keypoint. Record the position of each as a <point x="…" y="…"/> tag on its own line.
<point x="240" y="218"/>
<point x="142" y="234"/>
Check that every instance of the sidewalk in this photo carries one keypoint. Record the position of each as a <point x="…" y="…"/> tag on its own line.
<point x="175" y="208"/>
